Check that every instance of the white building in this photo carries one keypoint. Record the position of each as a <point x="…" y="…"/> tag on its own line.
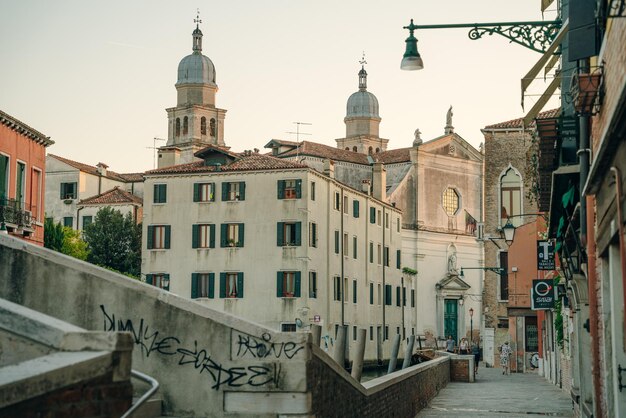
<point x="271" y="239"/>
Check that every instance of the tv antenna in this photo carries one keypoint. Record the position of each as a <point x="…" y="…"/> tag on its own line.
<point x="298" y="133"/>
<point x="155" y="148"/>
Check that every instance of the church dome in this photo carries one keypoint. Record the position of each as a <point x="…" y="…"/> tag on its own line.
<point x="196" y="68"/>
<point x="362" y="103"/>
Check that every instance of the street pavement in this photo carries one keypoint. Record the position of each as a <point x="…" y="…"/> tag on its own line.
<point x="495" y="395"/>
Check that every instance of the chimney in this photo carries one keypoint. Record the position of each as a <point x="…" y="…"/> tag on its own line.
<point x="329" y="168"/>
<point x="366" y="186"/>
<point x="102" y="169"/>
<point x="379" y="181"/>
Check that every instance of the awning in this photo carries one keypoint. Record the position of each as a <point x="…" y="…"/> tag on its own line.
<point x="543" y="99"/>
<point x="545" y="4"/>
<point x="563" y="179"/>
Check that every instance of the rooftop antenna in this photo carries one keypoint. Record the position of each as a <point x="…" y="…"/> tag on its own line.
<point x="155" y="148"/>
<point x="298" y="133"/>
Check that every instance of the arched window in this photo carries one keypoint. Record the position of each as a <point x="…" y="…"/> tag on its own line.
<point x="177" y="126"/>
<point x="185" y="125"/>
<point x="370" y="150"/>
<point x="203" y="125"/>
<point x="354" y="148"/>
<point x="377" y="150"/>
<point x="347" y="148"/>
<point x="212" y="127"/>
<point x="510" y="195"/>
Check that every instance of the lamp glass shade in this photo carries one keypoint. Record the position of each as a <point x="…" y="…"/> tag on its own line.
<point x="509" y="232"/>
<point x="471" y="311"/>
<point x="411" y="60"/>
<point x="461" y="301"/>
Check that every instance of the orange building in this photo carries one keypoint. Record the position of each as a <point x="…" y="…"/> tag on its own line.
<point x="22" y="179"/>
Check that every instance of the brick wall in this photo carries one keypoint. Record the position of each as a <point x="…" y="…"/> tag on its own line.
<point x="98" y="397"/>
<point x="334" y="396"/>
<point x="459" y="370"/>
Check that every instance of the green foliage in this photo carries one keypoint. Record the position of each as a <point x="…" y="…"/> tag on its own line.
<point x="114" y="242"/>
<point x="73" y="244"/>
<point x="53" y="235"/>
<point x="409" y="271"/>
<point x="558" y="318"/>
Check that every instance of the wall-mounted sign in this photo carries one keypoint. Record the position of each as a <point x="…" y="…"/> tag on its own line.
<point x="316" y="318"/>
<point x="545" y="255"/>
<point x="542" y="294"/>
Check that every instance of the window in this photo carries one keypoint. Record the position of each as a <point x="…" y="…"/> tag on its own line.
<point x="387" y="294"/>
<point x="398" y="259"/>
<point x="354" y="332"/>
<point x="312" y="190"/>
<point x="312" y="234"/>
<point x="354" y="149"/>
<point x="370" y="150"/>
<point x="212" y="128"/>
<point x="87" y="220"/>
<point x="386" y="332"/>
<point x="398" y="330"/>
<point x="372" y="215"/>
<point x="354" y="297"/>
<point x="404" y="296"/>
<point x="20" y="184"/>
<point x="345" y="204"/>
<point x="355" y="208"/>
<point x="398" y="300"/>
<point x="233" y="191"/>
<point x="532" y="335"/>
<point x="379" y="295"/>
<point x="202" y="285"/>
<point x="504" y="276"/>
<point x="345" y="289"/>
<point x="4" y="178"/>
<point x="398" y="224"/>
<point x="371" y="252"/>
<point x="288" y="234"/>
<point x="232" y="235"/>
<point x="160" y="193"/>
<point x="386" y="256"/>
<point x="412" y="298"/>
<point x="177" y="126"/>
<point x="203" y="125"/>
<point x="288" y="327"/>
<point x="354" y="248"/>
<point x="371" y="293"/>
<point x="231" y="285"/>
<point x="35" y="193"/>
<point x="378" y="218"/>
<point x="450" y="201"/>
<point x="160" y="280"/>
<point x="185" y="125"/>
<point x="345" y="244"/>
<point x="336" y="242"/>
<point x="337" y="288"/>
<point x="68" y="191"/>
<point x="203" y="236"/>
<point x="387" y="220"/>
<point x="371" y="333"/>
<point x="337" y="201"/>
<point x="380" y="250"/>
<point x="288" y="284"/>
<point x="68" y="221"/>
<point x="159" y="237"/>
<point x="204" y="192"/>
<point x="510" y="194"/>
<point x="313" y="284"/>
<point x="289" y="189"/>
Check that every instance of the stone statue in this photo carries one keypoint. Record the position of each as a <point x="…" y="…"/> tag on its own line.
<point x="452" y="264"/>
<point x="449" y="128"/>
<point x="418" y="137"/>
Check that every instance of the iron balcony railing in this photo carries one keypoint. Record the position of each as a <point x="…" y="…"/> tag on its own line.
<point x="14" y="212"/>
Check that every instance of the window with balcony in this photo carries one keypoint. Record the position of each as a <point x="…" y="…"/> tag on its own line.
<point x="289" y="234"/>
<point x="20" y="184"/>
<point x="203" y="236"/>
<point x="159" y="237"/>
<point x="202" y="285"/>
<point x="288" y="284"/>
<point x="160" y="193"/>
<point x="231" y="285"/>
<point x="289" y="189"/>
<point x="233" y="191"/>
<point x="204" y="192"/>
<point x="232" y="235"/>
<point x="68" y="191"/>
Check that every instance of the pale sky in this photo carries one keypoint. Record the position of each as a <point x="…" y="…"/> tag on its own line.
<point x="97" y="76"/>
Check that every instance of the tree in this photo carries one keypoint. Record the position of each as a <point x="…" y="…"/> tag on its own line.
<point x="114" y="241"/>
<point x="53" y="235"/>
<point x="64" y="240"/>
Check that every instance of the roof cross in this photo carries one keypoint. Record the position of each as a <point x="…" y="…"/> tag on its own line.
<point x="197" y="20"/>
<point x="362" y="61"/>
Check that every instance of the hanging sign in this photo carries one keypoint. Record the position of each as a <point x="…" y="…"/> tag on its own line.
<point x="542" y="294"/>
<point x="545" y="255"/>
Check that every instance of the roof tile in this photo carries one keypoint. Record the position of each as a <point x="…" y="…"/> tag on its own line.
<point x="111" y="197"/>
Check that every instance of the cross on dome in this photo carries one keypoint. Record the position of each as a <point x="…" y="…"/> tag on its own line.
<point x="197" y="20"/>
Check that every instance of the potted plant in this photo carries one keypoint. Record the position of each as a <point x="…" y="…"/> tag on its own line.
<point x="585" y="88"/>
<point x="233" y="243"/>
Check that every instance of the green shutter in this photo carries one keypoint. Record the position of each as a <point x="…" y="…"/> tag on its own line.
<point x="241" y="235"/>
<point x="222" y="285"/>
<point x="225" y="191"/>
<point x="371" y="293"/>
<point x="398" y="258"/>
<point x="211" y="285"/>
<point x="149" y="278"/>
<point x="281" y="189"/>
<point x="354" y="248"/>
<point x="242" y="190"/>
<point x="194" y="285"/>
<point x="194" y="235"/>
<point x="279" y="284"/>
<point x="372" y="215"/>
<point x="196" y="192"/>
<point x="150" y="237"/>
<point x="397" y="295"/>
<point x="355" y="208"/>
<point x="298" y="233"/>
<point x="224" y="235"/>
<point x="298" y="189"/>
<point x="354" y="291"/>
<point x="166" y="277"/>
<point x="212" y="192"/>
<point x="336" y="242"/>
<point x="168" y="233"/>
<point x="404" y="296"/>
<point x="387" y="294"/>
<point x="412" y="298"/>
<point x="212" y="236"/>
<point x="298" y="286"/>
<point x="163" y="193"/>
<point x="240" y="285"/>
<point x="62" y="196"/>
<point x="280" y="239"/>
<point x="371" y="252"/>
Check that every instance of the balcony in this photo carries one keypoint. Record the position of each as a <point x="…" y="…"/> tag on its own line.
<point x="16" y="215"/>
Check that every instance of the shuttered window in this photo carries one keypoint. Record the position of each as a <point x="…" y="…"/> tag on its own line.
<point x="231" y="285"/>
<point x="233" y="191"/>
<point x="203" y="236"/>
<point x="160" y="193"/>
<point x="159" y="237"/>
<point x="231" y="235"/>
<point x="289" y="189"/>
<point x="204" y="192"/>
<point x="288" y="284"/>
<point x="202" y="285"/>
<point x="289" y="234"/>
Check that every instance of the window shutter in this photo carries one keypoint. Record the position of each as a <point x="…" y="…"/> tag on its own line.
<point x="62" y="186"/>
<point x="222" y="285"/>
<point x="412" y="298"/>
<point x="397" y="295"/>
<point x="149" y="278"/>
<point x="166" y="277"/>
<point x="194" y="285"/>
<point x="157" y="195"/>
<point x="298" y="286"/>
<point x="355" y="208"/>
<point x="372" y="215"/>
<point x="168" y="233"/>
<point x="241" y="235"/>
<point x="354" y="291"/>
<point x="404" y="296"/>
<point x="240" y="285"/>
<point x="194" y="235"/>
<point x="371" y="293"/>
<point x="336" y="242"/>
<point x="281" y="189"/>
<point x="298" y="233"/>
<point x="164" y="193"/>
<point x="150" y="237"/>
<point x="224" y="192"/>
<point x="196" y="192"/>
<point x="212" y="192"/>
<point x="298" y="189"/>
<point x="242" y="190"/>
<point x="211" y="285"/>
<point x="387" y="294"/>
<point x="280" y="228"/>
<point x="212" y="236"/>
<point x="224" y="235"/>
<point x="398" y="259"/>
<point x="279" y="284"/>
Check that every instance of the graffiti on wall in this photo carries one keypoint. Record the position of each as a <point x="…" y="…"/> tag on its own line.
<point x="249" y="346"/>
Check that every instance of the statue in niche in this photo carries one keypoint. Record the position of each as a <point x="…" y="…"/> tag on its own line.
<point x="212" y="128"/>
<point x="452" y="270"/>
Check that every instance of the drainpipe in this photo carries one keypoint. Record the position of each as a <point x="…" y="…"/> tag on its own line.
<point x="342" y="280"/>
<point x="583" y="159"/>
<point x="78" y="218"/>
<point x="382" y="223"/>
<point x="620" y="224"/>
<point x="99" y="183"/>
<point x="593" y="306"/>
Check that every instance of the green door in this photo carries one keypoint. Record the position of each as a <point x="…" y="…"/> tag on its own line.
<point x="450" y="318"/>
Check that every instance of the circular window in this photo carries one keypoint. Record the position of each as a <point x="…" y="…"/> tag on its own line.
<point x="450" y="201"/>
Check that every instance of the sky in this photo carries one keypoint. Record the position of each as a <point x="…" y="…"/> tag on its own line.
<point x="97" y="76"/>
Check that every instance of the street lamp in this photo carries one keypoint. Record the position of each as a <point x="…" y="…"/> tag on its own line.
<point x="471" y="312"/>
<point x="411" y="60"/>
<point x="509" y="229"/>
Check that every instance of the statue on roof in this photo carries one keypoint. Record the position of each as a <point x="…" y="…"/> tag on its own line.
<point x="449" y="128"/>
<point x="418" y="137"/>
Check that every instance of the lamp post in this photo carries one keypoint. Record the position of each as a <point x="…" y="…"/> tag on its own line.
<point x="471" y="312"/>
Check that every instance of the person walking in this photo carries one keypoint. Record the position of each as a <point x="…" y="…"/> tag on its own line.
<point x="450" y="344"/>
<point x="463" y="346"/>
<point x="476" y="353"/>
<point x="505" y="353"/>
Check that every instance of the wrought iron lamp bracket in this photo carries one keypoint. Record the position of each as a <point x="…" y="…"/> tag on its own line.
<point x="498" y="270"/>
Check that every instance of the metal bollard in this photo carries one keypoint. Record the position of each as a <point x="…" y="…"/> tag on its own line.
<point x="393" y="360"/>
<point x="408" y="352"/>
<point x="357" y="363"/>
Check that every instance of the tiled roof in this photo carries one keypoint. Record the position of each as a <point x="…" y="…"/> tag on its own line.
<point x="245" y="162"/>
<point x="132" y="177"/>
<point x="86" y="168"/>
<point x="517" y="123"/>
<point x="111" y="197"/>
<point x="24" y="129"/>
<point x="394" y="156"/>
<point x="325" y="151"/>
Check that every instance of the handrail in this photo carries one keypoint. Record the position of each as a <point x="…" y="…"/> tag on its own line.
<point x="154" y="386"/>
